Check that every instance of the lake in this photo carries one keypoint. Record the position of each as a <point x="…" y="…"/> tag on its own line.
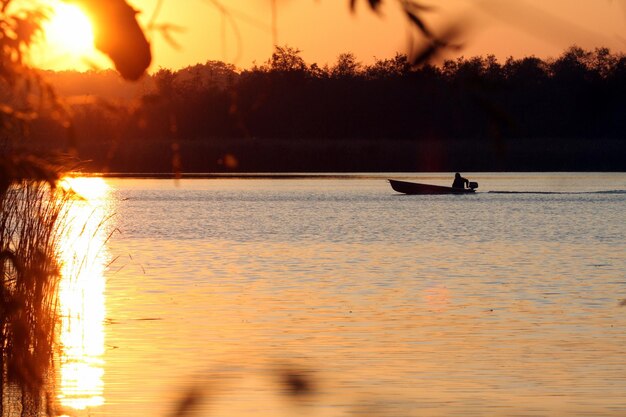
<point x="336" y="296"/>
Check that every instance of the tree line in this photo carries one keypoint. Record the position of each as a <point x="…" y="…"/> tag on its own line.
<point x="284" y="115"/>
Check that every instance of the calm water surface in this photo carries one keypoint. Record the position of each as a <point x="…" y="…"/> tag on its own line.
<point x="389" y="305"/>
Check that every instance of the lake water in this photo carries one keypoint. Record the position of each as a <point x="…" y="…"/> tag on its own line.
<point x="336" y="296"/>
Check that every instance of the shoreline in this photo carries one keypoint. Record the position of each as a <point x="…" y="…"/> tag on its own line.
<point x="306" y="175"/>
<point x="324" y="156"/>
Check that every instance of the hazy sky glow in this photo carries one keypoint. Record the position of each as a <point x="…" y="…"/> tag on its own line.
<point x="323" y="29"/>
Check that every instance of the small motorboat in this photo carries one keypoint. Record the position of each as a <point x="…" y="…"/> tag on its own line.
<point x="406" y="187"/>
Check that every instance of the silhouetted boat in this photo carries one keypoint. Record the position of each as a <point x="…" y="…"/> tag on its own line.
<point x="417" y="188"/>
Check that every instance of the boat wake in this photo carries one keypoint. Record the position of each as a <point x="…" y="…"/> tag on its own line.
<point x="559" y="192"/>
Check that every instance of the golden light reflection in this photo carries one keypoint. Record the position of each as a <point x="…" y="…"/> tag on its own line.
<point x="437" y="298"/>
<point x="81" y="294"/>
<point x="89" y="188"/>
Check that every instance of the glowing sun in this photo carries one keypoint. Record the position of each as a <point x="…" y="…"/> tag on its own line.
<point x="69" y="30"/>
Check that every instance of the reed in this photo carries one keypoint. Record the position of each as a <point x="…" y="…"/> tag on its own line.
<point x="33" y="215"/>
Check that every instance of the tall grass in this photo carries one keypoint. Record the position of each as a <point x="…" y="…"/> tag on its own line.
<point x="33" y="215"/>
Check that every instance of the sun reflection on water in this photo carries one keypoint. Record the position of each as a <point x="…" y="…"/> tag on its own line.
<point x="81" y="295"/>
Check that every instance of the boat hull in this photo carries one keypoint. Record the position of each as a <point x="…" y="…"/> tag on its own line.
<point x="406" y="187"/>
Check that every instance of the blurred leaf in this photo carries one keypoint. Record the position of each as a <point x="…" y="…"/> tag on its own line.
<point x="374" y="4"/>
<point x="166" y="30"/>
<point x="188" y="404"/>
<point x="431" y="49"/>
<point x="117" y="34"/>
<point x="419" y="23"/>
<point x="411" y="5"/>
<point x="296" y="383"/>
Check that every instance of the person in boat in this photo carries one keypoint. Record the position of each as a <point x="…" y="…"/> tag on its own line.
<point x="460" y="182"/>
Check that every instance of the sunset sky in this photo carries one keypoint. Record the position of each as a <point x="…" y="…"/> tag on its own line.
<point x="323" y="29"/>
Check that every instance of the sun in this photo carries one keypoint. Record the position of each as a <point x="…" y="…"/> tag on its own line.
<point x="69" y="31"/>
<point x="68" y="40"/>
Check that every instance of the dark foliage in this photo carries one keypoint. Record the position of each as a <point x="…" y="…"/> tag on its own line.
<point x="468" y="114"/>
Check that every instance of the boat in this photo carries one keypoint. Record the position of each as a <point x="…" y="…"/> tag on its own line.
<point x="406" y="187"/>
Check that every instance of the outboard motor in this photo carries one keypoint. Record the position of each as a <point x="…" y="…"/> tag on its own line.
<point x="473" y="185"/>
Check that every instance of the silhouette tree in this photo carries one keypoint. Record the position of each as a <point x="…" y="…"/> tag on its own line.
<point x="476" y="99"/>
<point x="398" y="66"/>
<point x="346" y="66"/>
<point x="286" y="59"/>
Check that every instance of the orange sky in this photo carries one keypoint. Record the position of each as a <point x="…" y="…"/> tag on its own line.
<point x="322" y="29"/>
